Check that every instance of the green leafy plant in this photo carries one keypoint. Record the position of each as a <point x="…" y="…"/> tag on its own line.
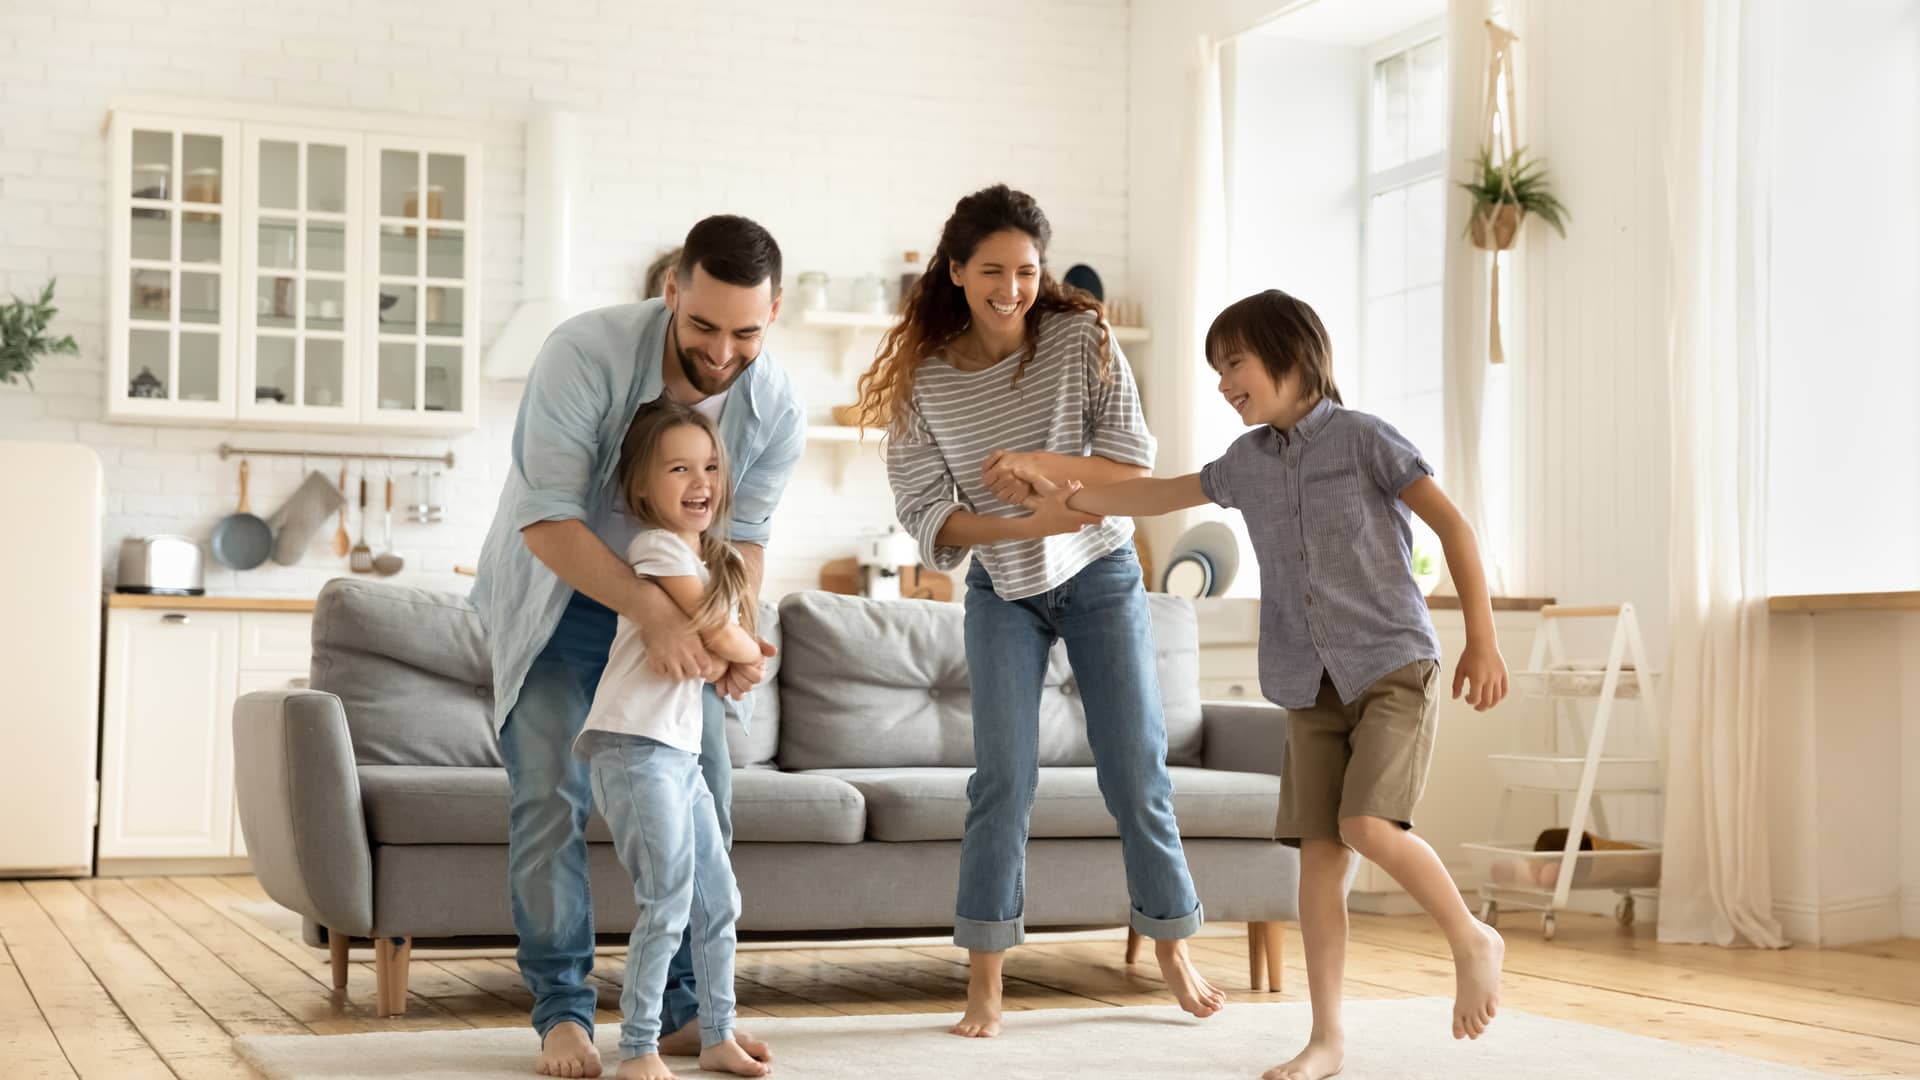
<point x="23" y="336"/>
<point x="1520" y="181"/>
<point x="1422" y="562"/>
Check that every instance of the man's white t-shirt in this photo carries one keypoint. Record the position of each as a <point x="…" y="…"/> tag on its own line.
<point x="632" y="698"/>
<point x="710" y="407"/>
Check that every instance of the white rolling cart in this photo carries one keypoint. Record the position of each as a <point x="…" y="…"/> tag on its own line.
<point x="1513" y="873"/>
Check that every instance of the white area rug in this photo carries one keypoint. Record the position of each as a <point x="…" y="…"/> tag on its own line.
<point x="1389" y="1040"/>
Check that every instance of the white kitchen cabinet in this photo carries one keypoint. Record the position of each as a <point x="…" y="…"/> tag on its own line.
<point x="173" y="675"/>
<point x="167" y="762"/>
<point x="1463" y="787"/>
<point x="271" y="272"/>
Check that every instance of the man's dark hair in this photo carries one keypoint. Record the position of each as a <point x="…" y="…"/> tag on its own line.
<point x="732" y="249"/>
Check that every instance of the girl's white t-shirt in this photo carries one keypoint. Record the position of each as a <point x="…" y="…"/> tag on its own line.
<point x="632" y="698"/>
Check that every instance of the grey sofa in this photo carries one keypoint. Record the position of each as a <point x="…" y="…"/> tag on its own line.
<point x="374" y="804"/>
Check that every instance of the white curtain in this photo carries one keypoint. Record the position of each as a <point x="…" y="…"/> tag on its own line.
<point x="1715" y="885"/>
<point x="1465" y="293"/>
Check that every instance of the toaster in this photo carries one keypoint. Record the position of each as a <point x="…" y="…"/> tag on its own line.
<point x="161" y="565"/>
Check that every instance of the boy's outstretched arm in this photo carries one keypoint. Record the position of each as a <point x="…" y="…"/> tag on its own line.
<point x="1480" y="664"/>
<point x="1146" y="497"/>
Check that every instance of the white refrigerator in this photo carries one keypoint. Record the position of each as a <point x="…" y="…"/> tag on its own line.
<point x="51" y="498"/>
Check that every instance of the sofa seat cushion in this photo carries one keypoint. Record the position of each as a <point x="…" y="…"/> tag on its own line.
<point x="420" y="804"/>
<point x="931" y="804"/>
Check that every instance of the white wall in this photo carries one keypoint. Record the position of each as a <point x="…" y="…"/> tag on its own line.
<point x="848" y="130"/>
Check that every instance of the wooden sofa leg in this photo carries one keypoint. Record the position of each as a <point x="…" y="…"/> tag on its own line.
<point x="390" y="957"/>
<point x="1257" y="955"/>
<point x="1133" y="944"/>
<point x="1274" y="941"/>
<point x="337" y="948"/>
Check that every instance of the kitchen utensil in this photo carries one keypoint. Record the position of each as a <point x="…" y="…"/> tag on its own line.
<point x="387" y="564"/>
<point x="160" y="565"/>
<point x="360" y="560"/>
<point x="342" y="542"/>
<point x="241" y="540"/>
<point x="300" y="518"/>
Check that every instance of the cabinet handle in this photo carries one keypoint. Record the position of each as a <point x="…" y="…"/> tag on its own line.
<point x="175" y="618"/>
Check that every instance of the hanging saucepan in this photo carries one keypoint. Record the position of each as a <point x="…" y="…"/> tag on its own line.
<point x="241" y="540"/>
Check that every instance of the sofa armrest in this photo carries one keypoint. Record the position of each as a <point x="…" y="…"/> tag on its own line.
<point x="1242" y="737"/>
<point x="299" y="797"/>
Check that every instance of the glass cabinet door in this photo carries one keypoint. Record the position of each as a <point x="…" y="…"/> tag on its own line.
<point x="173" y="288"/>
<point x="299" y="342"/>
<point x="424" y="335"/>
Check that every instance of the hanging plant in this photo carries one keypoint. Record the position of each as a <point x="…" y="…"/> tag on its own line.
<point x="23" y="336"/>
<point x="1504" y="193"/>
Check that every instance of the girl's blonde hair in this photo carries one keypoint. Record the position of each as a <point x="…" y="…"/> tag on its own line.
<point x="728" y="589"/>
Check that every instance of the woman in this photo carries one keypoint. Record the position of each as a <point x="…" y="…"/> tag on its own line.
<point x="995" y="368"/>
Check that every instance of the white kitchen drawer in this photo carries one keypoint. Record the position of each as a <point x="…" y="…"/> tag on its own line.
<point x="1247" y="689"/>
<point x="276" y="641"/>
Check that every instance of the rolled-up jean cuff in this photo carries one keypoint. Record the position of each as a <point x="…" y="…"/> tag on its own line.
<point x="634" y="1050"/>
<point x="544" y="1024"/>
<point x="976" y="936"/>
<point x="1169" y="929"/>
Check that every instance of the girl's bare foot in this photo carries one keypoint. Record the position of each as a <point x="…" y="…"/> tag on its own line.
<point x="1195" y="994"/>
<point x="568" y="1051"/>
<point x="982" y="1019"/>
<point x="731" y="1057"/>
<point x="686" y="1043"/>
<point x="645" y="1067"/>
<point x="1476" y="978"/>
<point x="1321" y="1059"/>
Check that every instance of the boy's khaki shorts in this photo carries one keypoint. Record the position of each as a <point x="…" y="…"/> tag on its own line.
<point x="1369" y="758"/>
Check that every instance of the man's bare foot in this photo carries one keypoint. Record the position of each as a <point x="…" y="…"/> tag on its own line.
<point x="1195" y="993"/>
<point x="982" y="1019"/>
<point x="567" y="1051"/>
<point x="645" y="1067"/>
<point x="686" y="1043"/>
<point x="1476" y="977"/>
<point x="731" y="1057"/>
<point x="1321" y="1059"/>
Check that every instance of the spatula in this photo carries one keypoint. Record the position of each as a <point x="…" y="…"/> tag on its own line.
<point x="341" y="541"/>
<point x="388" y="563"/>
<point x="361" y="558"/>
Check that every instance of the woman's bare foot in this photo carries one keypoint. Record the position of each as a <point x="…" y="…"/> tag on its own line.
<point x="1322" y="1058"/>
<point x="1195" y="993"/>
<point x="982" y="1019"/>
<point x="731" y="1057"/>
<point x="645" y="1067"/>
<point x="568" y="1051"/>
<point x="686" y="1043"/>
<point x="1476" y="978"/>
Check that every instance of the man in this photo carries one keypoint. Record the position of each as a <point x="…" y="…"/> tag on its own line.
<point x="551" y="581"/>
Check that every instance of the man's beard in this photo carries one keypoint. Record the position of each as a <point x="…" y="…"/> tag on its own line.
<point x="697" y="373"/>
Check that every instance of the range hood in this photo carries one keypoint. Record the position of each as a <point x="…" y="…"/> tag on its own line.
<point x="547" y="298"/>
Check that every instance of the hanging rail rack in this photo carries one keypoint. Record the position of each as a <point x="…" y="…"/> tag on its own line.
<point x="227" y="450"/>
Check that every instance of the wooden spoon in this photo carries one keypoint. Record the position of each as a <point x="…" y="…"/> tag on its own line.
<point x="342" y="540"/>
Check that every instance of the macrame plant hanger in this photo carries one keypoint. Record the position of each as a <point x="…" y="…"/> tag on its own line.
<point x="1498" y="224"/>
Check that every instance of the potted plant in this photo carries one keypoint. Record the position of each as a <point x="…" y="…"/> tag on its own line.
<point x="23" y="336"/>
<point x="1504" y="193"/>
<point x="1425" y="574"/>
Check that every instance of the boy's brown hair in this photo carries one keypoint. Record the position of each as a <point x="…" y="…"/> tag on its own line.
<point x="1283" y="332"/>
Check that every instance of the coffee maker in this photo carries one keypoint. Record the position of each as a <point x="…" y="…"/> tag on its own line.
<point x="880" y="560"/>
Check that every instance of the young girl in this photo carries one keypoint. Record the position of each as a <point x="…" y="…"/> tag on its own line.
<point x="994" y="367"/>
<point x="642" y="738"/>
<point x="1346" y="645"/>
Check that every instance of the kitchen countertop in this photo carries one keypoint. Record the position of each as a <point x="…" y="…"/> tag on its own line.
<point x="210" y="603"/>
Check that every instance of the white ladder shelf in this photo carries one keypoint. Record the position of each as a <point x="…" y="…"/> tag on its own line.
<point x="1514" y="873"/>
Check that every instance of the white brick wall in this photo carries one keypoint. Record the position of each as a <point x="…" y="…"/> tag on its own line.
<point x="848" y="127"/>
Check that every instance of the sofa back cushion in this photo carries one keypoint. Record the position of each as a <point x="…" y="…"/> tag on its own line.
<point x="878" y="684"/>
<point x="410" y="667"/>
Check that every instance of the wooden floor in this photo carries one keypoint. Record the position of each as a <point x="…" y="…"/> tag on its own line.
<point x="152" y="977"/>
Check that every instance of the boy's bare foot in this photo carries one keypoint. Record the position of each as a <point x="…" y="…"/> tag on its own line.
<point x="645" y="1067"/>
<point x="982" y="1019"/>
<point x="731" y="1057"/>
<point x="1195" y="993"/>
<point x="1321" y="1059"/>
<point x="686" y="1043"/>
<point x="567" y="1051"/>
<point x="1476" y="977"/>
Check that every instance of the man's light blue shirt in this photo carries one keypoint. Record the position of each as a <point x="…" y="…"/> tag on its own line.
<point x="594" y="371"/>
